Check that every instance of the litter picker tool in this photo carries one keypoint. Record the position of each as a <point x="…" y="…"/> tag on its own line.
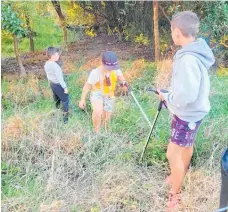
<point x="155" y="120"/>
<point x="137" y="103"/>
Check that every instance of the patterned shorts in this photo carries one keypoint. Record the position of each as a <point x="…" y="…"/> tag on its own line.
<point x="108" y="102"/>
<point x="183" y="133"/>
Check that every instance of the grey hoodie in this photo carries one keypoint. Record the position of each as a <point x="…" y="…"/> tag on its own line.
<point x="188" y="96"/>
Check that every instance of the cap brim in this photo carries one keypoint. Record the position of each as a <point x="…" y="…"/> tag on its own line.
<point x="110" y="68"/>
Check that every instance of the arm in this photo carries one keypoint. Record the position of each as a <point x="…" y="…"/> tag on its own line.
<point x="92" y="80"/>
<point x="87" y="87"/>
<point x="123" y="83"/>
<point x="186" y="83"/>
<point x="59" y="76"/>
<point x="121" y="78"/>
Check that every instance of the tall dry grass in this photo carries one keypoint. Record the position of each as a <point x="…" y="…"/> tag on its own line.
<point x="49" y="166"/>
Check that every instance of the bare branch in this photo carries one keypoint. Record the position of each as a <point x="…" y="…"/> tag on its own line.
<point x="162" y="9"/>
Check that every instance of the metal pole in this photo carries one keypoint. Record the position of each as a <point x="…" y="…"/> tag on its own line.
<point x="151" y="130"/>
<point x="139" y="106"/>
<point x="222" y="209"/>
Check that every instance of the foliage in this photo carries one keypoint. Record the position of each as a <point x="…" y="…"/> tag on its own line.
<point x="43" y="23"/>
<point x="11" y="22"/>
<point x="126" y="19"/>
<point x="76" y="16"/>
<point x="214" y="19"/>
<point x="141" y="39"/>
<point x="222" y="72"/>
<point x="215" y="25"/>
<point x="90" y="33"/>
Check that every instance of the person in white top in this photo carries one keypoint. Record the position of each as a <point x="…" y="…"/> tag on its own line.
<point x="102" y="83"/>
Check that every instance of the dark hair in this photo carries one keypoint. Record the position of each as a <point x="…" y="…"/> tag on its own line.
<point x="187" y="22"/>
<point x="51" y="50"/>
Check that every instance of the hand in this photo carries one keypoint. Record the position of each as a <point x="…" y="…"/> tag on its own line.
<point x="65" y="90"/>
<point x="82" y="104"/>
<point x="125" y="90"/>
<point x="124" y="86"/>
<point x="160" y="95"/>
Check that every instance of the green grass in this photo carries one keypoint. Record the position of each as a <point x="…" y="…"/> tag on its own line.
<point x="15" y="182"/>
<point x="41" y="171"/>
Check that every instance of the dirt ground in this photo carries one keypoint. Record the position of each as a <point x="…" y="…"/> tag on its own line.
<point x="86" y="49"/>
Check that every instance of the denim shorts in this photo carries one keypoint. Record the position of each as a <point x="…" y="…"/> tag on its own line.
<point x="183" y="133"/>
<point x="108" y="102"/>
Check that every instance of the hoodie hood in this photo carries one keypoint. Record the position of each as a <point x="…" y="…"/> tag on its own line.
<point x="199" y="49"/>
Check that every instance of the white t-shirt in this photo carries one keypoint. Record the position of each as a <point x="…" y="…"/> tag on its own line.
<point x="96" y="74"/>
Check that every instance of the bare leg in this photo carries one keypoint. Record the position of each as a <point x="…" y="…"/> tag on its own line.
<point x="177" y="166"/>
<point x="187" y="156"/>
<point x="106" y="118"/>
<point x="97" y="106"/>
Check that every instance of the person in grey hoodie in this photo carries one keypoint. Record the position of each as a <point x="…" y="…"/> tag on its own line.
<point x="187" y="99"/>
<point x="55" y="77"/>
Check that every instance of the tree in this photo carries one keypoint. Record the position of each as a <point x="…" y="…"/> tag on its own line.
<point x="13" y="25"/>
<point x="129" y="18"/>
<point x="62" y="19"/>
<point x="156" y="31"/>
<point x="26" y="11"/>
<point x="31" y="34"/>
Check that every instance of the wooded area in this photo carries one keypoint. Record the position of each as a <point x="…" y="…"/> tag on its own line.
<point x="140" y="22"/>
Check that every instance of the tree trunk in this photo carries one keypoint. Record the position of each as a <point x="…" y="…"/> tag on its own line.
<point x="62" y="19"/>
<point x="156" y="31"/>
<point x="65" y="36"/>
<point x="31" y="41"/>
<point x="22" y="68"/>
